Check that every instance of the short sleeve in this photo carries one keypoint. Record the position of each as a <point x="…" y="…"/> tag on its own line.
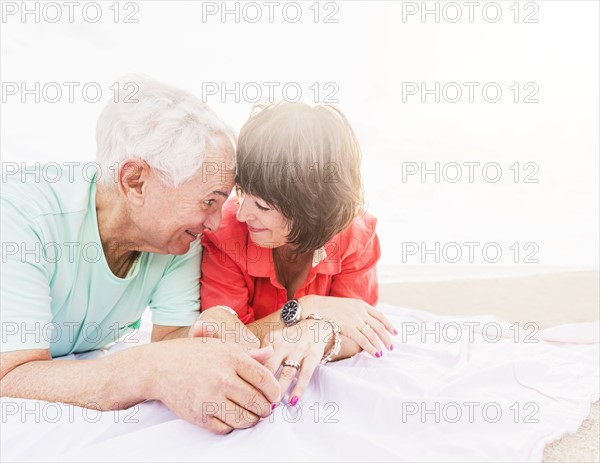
<point x="176" y="299"/>
<point x="25" y="301"/>
<point x="223" y="281"/>
<point x="358" y="276"/>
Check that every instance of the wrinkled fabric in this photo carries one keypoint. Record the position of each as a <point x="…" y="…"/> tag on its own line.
<point x="453" y="389"/>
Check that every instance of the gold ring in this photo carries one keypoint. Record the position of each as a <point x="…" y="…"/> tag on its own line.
<point x="366" y="327"/>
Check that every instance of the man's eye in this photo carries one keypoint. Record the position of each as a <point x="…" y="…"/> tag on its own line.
<point x="209" y="202"/>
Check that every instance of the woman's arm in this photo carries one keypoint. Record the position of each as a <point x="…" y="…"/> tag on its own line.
<point x="353" y="293"/>
<point x="223" y="280"/>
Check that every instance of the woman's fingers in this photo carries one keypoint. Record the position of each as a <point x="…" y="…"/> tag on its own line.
<point x="383" y="319"/>
<point x="374" y="344"/>
<point x="286" y="377"/>
<point x="383" y="335"/>
<point x="309" y="365"/>
<point x="363" y="341"/>
<point x="274" y="362"/>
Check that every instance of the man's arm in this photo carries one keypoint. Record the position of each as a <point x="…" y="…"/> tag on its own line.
<point x="111" y="383"/>
<point x="182" y="373"/>
<point x="163" y="333"/>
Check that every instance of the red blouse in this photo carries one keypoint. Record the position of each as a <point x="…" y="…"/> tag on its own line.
<point x="240" y="274"/>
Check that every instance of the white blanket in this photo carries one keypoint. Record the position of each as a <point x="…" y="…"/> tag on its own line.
<point x="482" y="391"/>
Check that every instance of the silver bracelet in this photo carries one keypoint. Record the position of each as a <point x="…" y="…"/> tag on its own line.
<point x="337" y="339"/>
<point x="228" y="309"/>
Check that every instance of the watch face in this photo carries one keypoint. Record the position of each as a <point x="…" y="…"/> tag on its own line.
<point x="288" y="311"/>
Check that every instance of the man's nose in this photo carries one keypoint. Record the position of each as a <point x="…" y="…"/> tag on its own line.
<point x="213" y="221"/>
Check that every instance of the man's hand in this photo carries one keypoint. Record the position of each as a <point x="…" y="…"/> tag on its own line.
<point x="208" y="382"/>
<point x="220" y="324"/>
<point x="212" y="383"/>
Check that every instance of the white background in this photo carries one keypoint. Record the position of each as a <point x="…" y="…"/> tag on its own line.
<point x="369" y="55"/>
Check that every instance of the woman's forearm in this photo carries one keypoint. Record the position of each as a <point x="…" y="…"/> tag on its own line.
<point x="267" y="325"/>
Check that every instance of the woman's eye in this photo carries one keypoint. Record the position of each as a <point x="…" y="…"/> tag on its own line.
<point x="262" y="208"/>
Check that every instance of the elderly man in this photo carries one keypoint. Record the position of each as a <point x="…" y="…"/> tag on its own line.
<point x="86" y="249"/>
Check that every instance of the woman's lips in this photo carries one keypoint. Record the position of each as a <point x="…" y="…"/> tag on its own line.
<point x="256" y="230"/>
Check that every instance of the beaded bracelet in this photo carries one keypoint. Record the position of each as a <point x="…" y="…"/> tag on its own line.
<point x="337" y="340"/>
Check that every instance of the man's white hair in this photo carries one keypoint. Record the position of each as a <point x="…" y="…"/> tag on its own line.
<point x="166" y="127"/>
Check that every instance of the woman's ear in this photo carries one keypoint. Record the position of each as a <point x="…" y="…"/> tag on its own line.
<point x="133" y="179"/>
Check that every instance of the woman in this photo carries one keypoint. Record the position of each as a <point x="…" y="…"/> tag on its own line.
<point x="296" y="231"/>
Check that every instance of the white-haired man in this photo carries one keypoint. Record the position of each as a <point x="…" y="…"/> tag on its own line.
<point x="86" y="249"/>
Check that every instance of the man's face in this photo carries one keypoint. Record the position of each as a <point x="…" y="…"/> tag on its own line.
<point x="171" y="219"/>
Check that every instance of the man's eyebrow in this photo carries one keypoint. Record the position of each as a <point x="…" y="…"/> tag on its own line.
<point x="221" y="193"/>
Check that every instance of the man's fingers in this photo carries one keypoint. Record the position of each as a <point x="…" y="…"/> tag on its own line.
<point x="203" y="329"/>
<point x="249" y="341"/>
<point x="217" y="426"/>
<point x="261" y="355"/>
<point x="259" y="377"/>
<point x="237" y="416"/>
<point x="250" y="399"/>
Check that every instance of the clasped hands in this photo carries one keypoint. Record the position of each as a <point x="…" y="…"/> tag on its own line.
<point x="298" y="350"/>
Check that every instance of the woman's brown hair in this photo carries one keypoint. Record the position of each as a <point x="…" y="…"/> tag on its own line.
<point x="304" y="162"/>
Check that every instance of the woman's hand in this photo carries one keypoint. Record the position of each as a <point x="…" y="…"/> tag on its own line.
<point x="303" y="343"/>
<point x="357" y="320"/>
<point x="218" y="323"/>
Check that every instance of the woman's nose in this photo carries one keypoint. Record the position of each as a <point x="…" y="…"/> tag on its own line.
<point x="242" y="213"/>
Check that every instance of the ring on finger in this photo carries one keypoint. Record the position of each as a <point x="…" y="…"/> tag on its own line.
<point x="366" y="328"/>
<point x="291" y="363"/>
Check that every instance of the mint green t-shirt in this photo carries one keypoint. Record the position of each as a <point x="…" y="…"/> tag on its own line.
<point x="56" y="288"/>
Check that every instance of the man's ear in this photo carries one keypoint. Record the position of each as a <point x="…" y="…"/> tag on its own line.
<point x="133" y="179"/>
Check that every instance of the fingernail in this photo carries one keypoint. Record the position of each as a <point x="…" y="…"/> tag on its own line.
<point x="377" y="354"/>
<point x="395" y="331"/>
<point x="381" y="353"/>
<point x="274" y="406"/>
<point x="294" y="401"/>
<point x="391" y="347"/>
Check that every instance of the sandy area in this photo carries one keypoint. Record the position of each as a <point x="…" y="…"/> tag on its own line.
<point x="546" y="299"/>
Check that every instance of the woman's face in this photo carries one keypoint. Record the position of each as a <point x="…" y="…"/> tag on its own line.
<point x="268" y="228"/>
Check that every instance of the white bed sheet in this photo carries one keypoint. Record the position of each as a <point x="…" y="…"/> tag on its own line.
<point x="402" y="407"/>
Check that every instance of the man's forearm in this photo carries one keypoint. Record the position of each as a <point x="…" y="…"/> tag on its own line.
<point x="178" y="333"/>
<point x="113" y="382"/>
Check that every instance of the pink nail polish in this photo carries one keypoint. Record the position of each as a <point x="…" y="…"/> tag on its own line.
<point x="377" y="354"/>
<point x="273" y="406"/>
<point x="294" y="401"/>
<point x="391" y="347"/>
<point x="395" y="331"/>
<point x="381" y="353"/>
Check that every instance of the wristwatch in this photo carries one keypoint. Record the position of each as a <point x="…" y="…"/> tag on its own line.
<point x="291" y="312"/>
